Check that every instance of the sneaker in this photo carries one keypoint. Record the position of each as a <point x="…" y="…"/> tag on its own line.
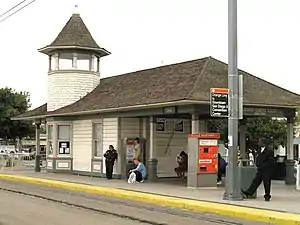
<point x="219" y="183"/>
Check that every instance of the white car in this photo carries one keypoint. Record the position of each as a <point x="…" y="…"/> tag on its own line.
<point x="25" y="152"/>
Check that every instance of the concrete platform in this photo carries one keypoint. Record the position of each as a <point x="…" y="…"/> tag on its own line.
<point x="284" y="198"/>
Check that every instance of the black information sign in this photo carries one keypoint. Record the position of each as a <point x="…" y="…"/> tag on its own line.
<point x="64" y="147"/>
<point x="219" y="102"/>
<point x="160" y="124"/>
<point x="178" y="126"/>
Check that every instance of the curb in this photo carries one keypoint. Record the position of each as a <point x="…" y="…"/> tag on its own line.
<point x="251" y="214"/>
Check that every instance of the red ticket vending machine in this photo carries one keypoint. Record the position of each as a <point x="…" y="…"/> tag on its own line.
<point x="208" y="153"/>
<point x="203" y="159"/>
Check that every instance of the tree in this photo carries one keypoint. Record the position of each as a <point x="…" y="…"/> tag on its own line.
<point x="43" y="129"/>
<point x="13" y="103"/>
<point x="274" y="130"/>
<point x="297" y="124"/>
<point x="218" y="126"/>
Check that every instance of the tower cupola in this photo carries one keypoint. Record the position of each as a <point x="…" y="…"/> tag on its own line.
<point x="74" y="64"/>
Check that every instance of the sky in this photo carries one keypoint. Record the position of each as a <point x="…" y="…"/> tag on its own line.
<point x="142" y="34"/>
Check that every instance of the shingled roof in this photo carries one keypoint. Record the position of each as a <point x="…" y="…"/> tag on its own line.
<point x="188" y="81"/>
<point x="38" y="112"/>
<point x="75" y="34"/>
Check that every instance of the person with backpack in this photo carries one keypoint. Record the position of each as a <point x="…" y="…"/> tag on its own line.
<point x="222" y="164"/>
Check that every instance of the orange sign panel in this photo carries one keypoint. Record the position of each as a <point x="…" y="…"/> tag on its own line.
<point x="205" y="135"/>
<point x="219" y="90"/>
<point x="208" y="159"/>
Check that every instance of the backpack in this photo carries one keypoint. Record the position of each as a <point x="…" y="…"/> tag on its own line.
<point x="223" y="163"/>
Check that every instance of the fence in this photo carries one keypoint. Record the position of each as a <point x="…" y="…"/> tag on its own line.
<point x="19" y="161"/>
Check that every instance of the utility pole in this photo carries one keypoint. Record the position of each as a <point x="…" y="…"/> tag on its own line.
<point x="232" y="191"/>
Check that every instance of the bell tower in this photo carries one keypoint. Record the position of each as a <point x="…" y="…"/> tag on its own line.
<point x="74" y="64"/>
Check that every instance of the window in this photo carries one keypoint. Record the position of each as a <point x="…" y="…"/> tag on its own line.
<point x="65" y="61"/>
<point x="83" y="61"/>
<point x="64" y="136"/>
<point x="97" y="139"/>
<point x="63" y="132"/>
<point x="50" y="140"/>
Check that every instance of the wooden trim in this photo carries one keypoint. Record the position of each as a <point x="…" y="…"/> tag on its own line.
<point x="97" y="121"/>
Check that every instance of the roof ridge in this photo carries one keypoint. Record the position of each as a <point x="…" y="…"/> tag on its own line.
<point x="199" y="77"/>
<point x="156" y="67"/>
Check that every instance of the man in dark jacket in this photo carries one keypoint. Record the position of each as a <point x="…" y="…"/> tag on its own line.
<point x="265" y="164"/>
<point x="110" y="157"/>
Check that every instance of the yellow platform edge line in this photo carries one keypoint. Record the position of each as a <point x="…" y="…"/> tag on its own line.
<point x="251" y="214"/>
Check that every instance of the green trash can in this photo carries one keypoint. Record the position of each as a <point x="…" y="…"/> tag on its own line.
<point x="248" y="171"/>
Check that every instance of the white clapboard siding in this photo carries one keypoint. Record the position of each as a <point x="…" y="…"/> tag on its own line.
<point x="110" y="136"/>
<point x="82" y="145"/>
<point x="166" y="154"/>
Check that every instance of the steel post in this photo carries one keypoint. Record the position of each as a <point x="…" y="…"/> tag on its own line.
<point x="37" y="167"/>
<point x="232" y="190"/>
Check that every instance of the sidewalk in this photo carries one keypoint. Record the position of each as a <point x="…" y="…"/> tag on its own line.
<point x="284" y="198"/>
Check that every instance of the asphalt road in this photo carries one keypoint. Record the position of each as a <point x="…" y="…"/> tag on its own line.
<point x="22" y="204"/>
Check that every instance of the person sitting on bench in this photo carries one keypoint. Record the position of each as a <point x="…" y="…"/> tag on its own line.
<point x="182" y="161"/>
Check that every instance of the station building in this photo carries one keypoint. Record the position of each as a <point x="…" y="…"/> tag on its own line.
<point x="85" y="113"/>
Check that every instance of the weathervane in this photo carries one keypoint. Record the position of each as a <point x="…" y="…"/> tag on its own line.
<point x="76" y="10"/>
